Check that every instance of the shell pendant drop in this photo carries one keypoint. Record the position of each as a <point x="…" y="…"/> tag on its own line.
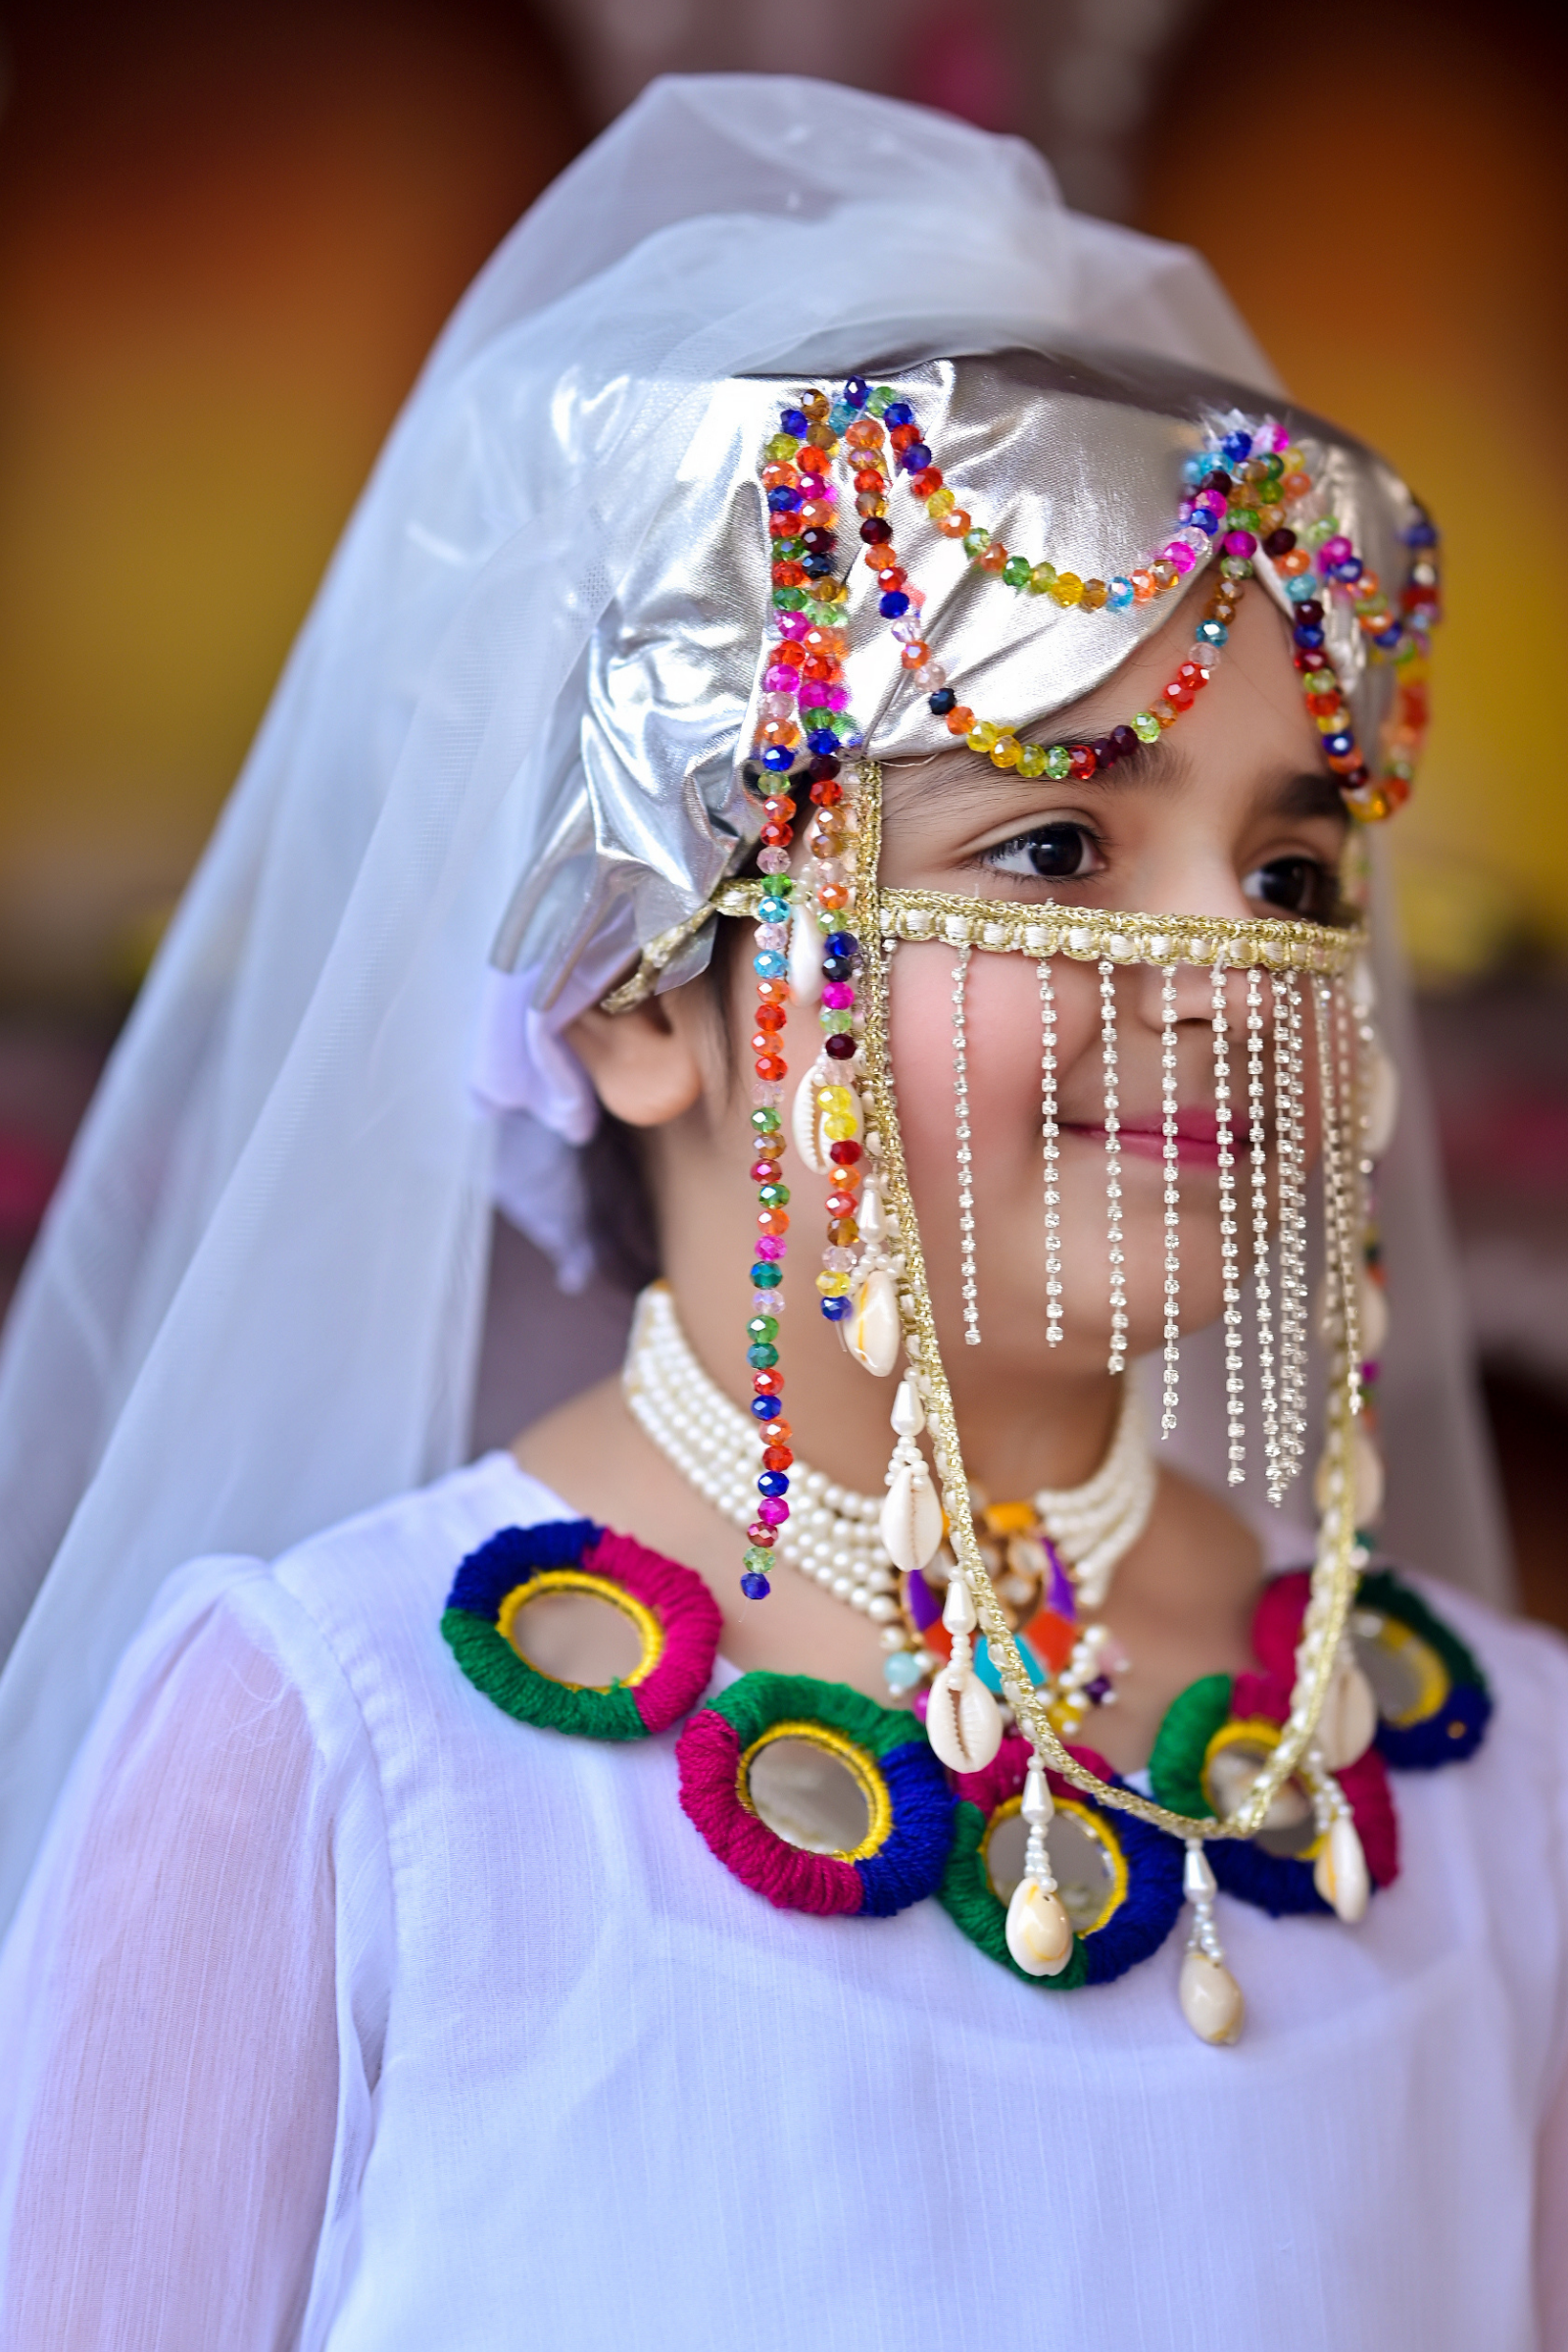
<point x="962" y="1722"/>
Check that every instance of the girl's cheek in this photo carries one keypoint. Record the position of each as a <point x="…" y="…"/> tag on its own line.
<point x="1003" y="1034"/>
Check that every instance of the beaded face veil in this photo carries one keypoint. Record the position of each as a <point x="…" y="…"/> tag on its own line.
<point x="1297" y="1079"/>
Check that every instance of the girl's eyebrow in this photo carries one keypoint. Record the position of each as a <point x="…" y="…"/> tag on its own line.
<point x="1165" y="764"/>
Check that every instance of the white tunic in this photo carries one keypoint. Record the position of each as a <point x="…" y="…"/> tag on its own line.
<point x="345" y="2011"/>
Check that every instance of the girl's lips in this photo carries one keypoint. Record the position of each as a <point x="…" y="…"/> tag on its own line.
<point x="1196" y="1138"/>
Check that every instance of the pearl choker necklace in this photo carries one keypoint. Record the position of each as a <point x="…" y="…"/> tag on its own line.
<point x="833" y="1534"/>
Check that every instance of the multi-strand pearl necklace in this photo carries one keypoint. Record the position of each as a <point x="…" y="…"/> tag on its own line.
<point x="832" y="1534"/>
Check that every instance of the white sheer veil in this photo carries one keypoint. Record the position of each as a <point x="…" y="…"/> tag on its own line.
<point x="256" y="1303"/>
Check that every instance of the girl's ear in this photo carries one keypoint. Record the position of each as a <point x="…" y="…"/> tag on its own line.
<point x="650" y="1064"/>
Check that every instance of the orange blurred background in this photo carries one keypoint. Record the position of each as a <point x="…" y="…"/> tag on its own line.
<point x="227" y="237"/>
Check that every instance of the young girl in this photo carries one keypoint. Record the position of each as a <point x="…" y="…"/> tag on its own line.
<point x="830" y="1841"/>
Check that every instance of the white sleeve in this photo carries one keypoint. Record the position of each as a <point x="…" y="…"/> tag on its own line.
<point x="188" y="2036"/>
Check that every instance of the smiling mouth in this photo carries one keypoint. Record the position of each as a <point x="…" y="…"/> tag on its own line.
<point x="1196" y="1138"/>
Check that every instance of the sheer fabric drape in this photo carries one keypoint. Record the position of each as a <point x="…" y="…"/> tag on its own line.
<point x="180" y="2053"/>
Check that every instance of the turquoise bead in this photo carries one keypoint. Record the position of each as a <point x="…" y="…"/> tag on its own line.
<point x="901" y="1671"/>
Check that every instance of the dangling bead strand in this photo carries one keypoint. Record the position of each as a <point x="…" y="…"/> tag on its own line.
<point x="1113" y="1228"/>
<point x="1235" y="1388"/>
<point x="1210" y="1997"/>
<point x="1170" y="1150"/>
<point x="1257" y="1148"/>
<point x="1050" y="1135"/>
<point x="960" y="1122"/>
<point x="1039" y="1932"/>
<point x="770" y="964"/>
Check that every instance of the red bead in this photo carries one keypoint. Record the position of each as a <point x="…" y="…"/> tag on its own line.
<point x="772" y="1066"/>
<point x="777" y="837"/>
<point x="765" y="1171"/>
<point x="761" y="1532"/>
<point x="769" y="1383"/>
<point x="776" y="1457"/>
<point x="846" y="1153"/>
<point x="1180" y="695"/>
<point x="904" y="436"/>
<point x="927" y="482"/>
<point x="826" y="793"/>
<point x="789" y="575"/>
<point x="1191" y="675"/>
<point x="770" y="1017"/>
<point x="1081" y="759"/>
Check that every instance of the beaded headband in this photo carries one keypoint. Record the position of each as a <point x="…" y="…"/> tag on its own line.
<point x="1247" y="491"/>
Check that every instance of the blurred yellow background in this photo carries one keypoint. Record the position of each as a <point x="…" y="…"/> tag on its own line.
<point x="226" y="243"/>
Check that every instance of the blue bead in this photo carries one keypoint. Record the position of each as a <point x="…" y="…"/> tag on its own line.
<point x="773" y="910"/>
<point x="1193" y="470"/>
<point x="783" y="501"/>
<point x="1211" y="632"/>
<point x="1235" y="448"/>
<point x="765" y="1408"/>
<point x="769" y="964"/>
<point x="942" y="702"/>
<point x="823" y="741"/>
<point x="1205" y="518"/>
<point x="779" y="758"/>
<point x="796" y="421"/>
<point x="1302" y="589"/>
<point x="1389" y="638"/>
<point x="772" y="1482"/>
<point x="1350" y="569"/>
<point x="1420" y="534"/>
<point x="1309" y="639"/>
<point x="1119" y="595"/>
<point x="901" y="1671"/>
<point x="1339" y="746"/>
<point x="766" y="1277"/>
<point x="838" y="967"/>
<point x="894" y="604"/>
<point x="815" y="567"/>
<point x="835" y="1309"/>
<point x="840" y="943"/>
<point x="898" y="412"/>
<point x="754" y="1587"/>
<point x="857" y="392"/>
<point x="839" y="414"/>
<point x="915" y="458"/>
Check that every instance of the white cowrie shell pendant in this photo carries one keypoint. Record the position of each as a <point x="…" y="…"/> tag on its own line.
<point x="870" y="1331"/>
<point x="912" y="1518"/>
<point x="1039" y="1931"/>
<point x="1350" y="1720"/>
<point x="1210" y="1997"/>
<point x="1340" y="1872"/>
<point x="963" y="1725"/>
<point x="805" y="1125"/>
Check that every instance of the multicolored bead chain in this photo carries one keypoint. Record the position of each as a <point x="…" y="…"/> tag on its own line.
<point x="771" y="966"/>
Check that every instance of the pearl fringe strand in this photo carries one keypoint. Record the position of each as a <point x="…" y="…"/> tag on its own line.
<point x="833" y="1535"/>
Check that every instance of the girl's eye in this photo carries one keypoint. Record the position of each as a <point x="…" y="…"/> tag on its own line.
<point x="1299" y="886"/>
<point x="1059" y="852"/>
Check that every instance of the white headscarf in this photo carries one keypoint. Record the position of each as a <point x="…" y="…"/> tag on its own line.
<point x="256" y="1303"/>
